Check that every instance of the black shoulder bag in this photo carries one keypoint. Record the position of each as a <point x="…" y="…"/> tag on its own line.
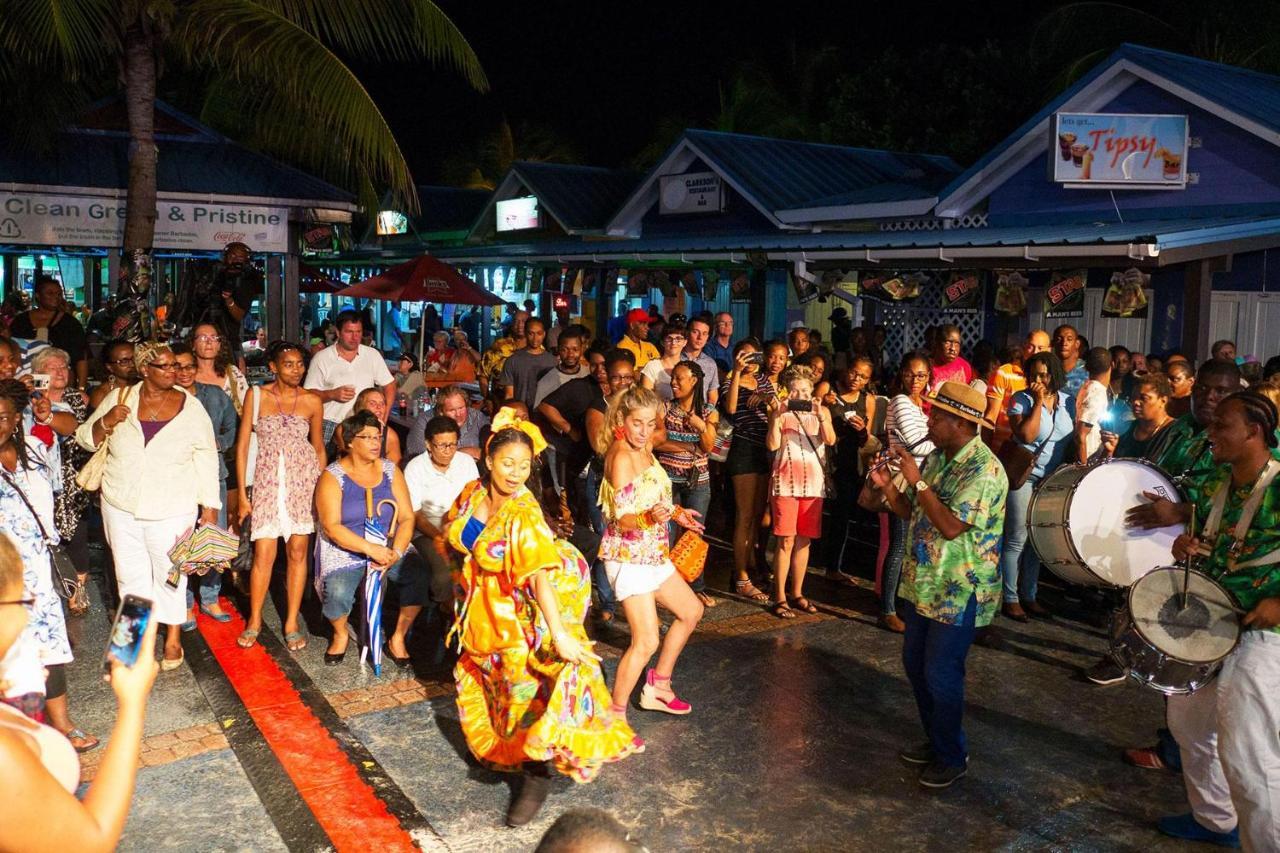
<point x="66" y="580"/>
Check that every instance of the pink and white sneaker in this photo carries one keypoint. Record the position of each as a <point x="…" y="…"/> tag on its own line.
<point x="651" y="701"/>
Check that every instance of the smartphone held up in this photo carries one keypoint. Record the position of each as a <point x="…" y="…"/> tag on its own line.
<point x="127" y="631"/>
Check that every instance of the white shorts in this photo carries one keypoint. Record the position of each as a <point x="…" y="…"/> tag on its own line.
<point x="628" y="579"/>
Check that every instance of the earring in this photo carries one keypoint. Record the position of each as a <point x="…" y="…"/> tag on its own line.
<point x="619" y="433"/>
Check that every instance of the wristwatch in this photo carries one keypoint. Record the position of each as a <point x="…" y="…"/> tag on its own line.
<point x="921" y="485"/>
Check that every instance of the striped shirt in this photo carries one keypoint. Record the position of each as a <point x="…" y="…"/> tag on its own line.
<point x="750" y="423"/>
<point x="905" y="417"/>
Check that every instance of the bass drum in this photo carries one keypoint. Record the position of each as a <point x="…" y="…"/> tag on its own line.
<point x="1172" y="648"/>
<point x="1076" y="522"/>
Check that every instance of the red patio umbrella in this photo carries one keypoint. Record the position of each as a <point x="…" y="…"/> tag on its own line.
<point x="423" y="279"/>
<point x="312" y="280"/>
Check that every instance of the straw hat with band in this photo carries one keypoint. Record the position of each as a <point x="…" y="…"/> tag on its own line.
<point x="962" y="401"/>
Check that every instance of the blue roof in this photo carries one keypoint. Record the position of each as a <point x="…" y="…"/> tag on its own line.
<point x="1164" y="234"/>
<point x="581" y="198"/>
<point x="1250" y="94"/>
<point x="783" y="174"/>
<point x="193" y="159"/>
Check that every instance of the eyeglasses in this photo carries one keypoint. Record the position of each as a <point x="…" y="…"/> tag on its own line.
<point x="916" y="375"/>
<point x="25" y="602"/>
<point x="452" y="445"/>
<point x="120" y="361"/>
<point x="369" y="437"/>
<point x="209" y="339"/>
<point x="166" y="366"/>
<point x="186" y="368"/>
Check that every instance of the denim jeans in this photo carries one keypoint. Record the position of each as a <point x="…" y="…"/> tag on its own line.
<point x="696" y="498"/>
<point x="933" y="655"/>
<point x="409" y="575"/>
<point x="893" y="564"/>
<point x="210" y="584"/>
<point x="608" y="604"/>
<point x="1019" y="564"/>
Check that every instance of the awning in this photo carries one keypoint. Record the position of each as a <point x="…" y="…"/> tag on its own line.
<point x="423" y="279"/>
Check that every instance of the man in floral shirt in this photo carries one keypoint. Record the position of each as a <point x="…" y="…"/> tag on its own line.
<point x="951" y="573"/>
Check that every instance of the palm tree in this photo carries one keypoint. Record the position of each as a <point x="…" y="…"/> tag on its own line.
<point x="497" y="150"/>
<point x="277" y="58"/>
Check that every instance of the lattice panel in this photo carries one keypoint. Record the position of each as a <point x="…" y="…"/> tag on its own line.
<point x="905" y="323"/>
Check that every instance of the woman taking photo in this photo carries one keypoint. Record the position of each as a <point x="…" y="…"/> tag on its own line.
<point x="745" y="397"/>
<point x="373" y="400"/>
<point x="30" y="472"/>
<point x="853" y="410"/>
<point x="656" y="375"/>
<point x="289" y="423"/>
<point x="349" y="491"/>
<point x="68" y="410"/>
<point x="1042" y="422"/>
<point x="689" y="428"/>
<point x="531" y="696"/>
<point x="799" y="430"/>
<point x="41" y="772"/>
<point x="222" y="414"/>
<point x="636" y="501"/>
<point x="49" y="321"/>
<point x="906" y="426"/>
<point x="161" y="471"/>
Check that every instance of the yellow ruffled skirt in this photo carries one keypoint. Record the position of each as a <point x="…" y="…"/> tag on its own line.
<point x="525" y="704"/>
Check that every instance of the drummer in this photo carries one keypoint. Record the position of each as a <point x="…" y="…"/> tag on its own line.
<point x="1227" y="729"/>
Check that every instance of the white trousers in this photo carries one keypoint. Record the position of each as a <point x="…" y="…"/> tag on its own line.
<point x="1229" y="736"/>
<point x="140" y="550"/>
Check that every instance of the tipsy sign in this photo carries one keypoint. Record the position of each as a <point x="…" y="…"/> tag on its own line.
<point x="1119" y="150"/>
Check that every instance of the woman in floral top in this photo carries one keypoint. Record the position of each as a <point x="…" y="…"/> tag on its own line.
<point x="690" y="432"/>
<point x="799" y="433"/>
<point x="635" y="498"/>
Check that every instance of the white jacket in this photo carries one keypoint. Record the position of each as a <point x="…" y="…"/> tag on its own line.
<point x="173" y="474"/>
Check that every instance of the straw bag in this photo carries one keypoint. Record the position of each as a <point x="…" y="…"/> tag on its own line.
<point x="690" y="555"/>
<point x="90" y="476"/>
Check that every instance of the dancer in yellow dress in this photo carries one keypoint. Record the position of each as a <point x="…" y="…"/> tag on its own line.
<point x="531" y="696"/>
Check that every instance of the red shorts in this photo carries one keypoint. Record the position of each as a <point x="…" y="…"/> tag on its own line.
<point x="796" y="516"/>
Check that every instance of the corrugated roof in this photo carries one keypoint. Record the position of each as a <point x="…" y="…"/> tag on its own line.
<point x="1162" y="234"/>
<point x="581" y="198"/>
<point x="1250" y="94"/>
<point x="783" y="174"/>
<point x="194" y="160"/>
<point x="448" y="208"/>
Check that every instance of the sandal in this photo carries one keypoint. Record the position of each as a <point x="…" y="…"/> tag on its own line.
<point x="706" y="599"/>
<point x="747" y="589"/>
<point x="782" y="611"/>
<point x="295" y="641"/>
<point x="87" y="741"/>
<point x="802" y="603"/>
<point x="79" y="603"/>
<point x="247" y="639"/>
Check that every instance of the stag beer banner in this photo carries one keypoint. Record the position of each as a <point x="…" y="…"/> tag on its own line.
<point x="962" y="293"/>
<point x="1064" y="297"/>
<point x="1126" y="295"/>
<point x="1011" y="293"/>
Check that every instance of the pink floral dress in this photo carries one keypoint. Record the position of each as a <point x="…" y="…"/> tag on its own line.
<point x="284" y="482"/>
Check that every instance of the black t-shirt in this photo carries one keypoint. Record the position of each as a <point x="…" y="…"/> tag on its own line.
<point x="572" y="400"/>
<point x="66" y="333"/>
<point x="206" y="305"/>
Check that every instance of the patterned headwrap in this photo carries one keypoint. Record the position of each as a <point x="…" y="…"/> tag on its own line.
<point x="509" y="418"/>
<point x="147" y="352"/>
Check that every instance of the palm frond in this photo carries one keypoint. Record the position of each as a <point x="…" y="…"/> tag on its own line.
<point x="291" y="73"/>
<point x="1095" y="25"/>
<point x="73" y="36"/>
<point x="386" y="29"/>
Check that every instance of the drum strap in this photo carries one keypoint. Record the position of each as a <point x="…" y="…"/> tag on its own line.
<point x="1250" y="508"/>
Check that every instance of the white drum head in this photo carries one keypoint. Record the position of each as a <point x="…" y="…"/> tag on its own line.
<point x="1116" y="553"/>
<point x="1204" y="632"/>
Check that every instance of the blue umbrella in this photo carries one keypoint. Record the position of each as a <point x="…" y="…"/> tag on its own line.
<point x="373" y="588"/>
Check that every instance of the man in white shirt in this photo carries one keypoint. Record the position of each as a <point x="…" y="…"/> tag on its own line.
<point x="1093" y="404"/>
<point x="340" y="372"/>
<point x="570" y="365"/>
<point x="699" y="331"/>
<point x="435" y="479"/>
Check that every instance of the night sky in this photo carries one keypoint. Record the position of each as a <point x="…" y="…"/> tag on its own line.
<point x="602" y="73"/>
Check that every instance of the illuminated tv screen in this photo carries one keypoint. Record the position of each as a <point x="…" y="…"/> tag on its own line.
<point x="518" y="214"/>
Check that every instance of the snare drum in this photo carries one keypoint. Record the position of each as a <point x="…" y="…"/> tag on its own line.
<point x="1165" y="646"/>
<point x="1076" y="522"/>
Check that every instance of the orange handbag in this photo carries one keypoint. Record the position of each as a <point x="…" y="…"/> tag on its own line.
<point x="690" y="555"/>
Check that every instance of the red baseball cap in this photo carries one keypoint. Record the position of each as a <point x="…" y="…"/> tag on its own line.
<point x="638" y="315"/>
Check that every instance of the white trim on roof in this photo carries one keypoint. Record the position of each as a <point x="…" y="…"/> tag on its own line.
<point x="506" y="189"/>
<point x="848" y="212"/>
<point x="1109" y="85"/>
<point x="1035" y="252"/>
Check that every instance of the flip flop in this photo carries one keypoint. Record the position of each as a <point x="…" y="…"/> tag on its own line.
<point x="295" y="637"/>
<point x="90" y="742"/>
<point x="247" y="639"/>
<point x="220" y="617"/>
<point x="802" y="603"/>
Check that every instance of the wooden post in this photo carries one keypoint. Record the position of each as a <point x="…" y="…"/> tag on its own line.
<point x="274" y="304"/>
<point x="759" y="302"/>
<point x="292" y="281"/>
<point x="1197" y="304"/>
